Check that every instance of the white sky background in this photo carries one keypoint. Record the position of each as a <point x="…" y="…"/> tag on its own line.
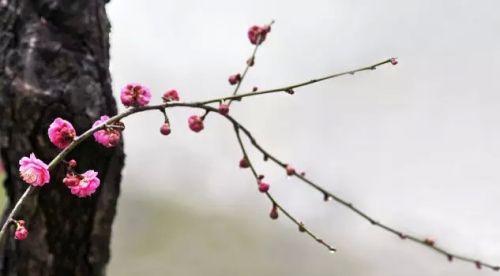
<point x="416" y="145"/>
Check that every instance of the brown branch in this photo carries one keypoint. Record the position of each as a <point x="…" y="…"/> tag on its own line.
<point x="328" y="195"/>
<point x="238" y="127"/>
<point x="275" y="204"/>
<point x="250" y="62"/>
<point x="289" y="88"/>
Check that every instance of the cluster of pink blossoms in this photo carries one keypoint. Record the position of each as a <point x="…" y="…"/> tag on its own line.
<point x="62" y="134"/>
<point x="138" y="95"/>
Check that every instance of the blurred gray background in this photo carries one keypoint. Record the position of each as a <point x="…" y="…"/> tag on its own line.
<point x="415" y="145"/>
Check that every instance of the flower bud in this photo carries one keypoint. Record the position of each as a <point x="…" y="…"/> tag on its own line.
<point x="263" y="187"/>
<point x="257" y="34"/>
<point x="290" y="170"/>
<point x="234" y="79"/>
<point x="224" y="108"/>
<point x="21" y="233"/>
<point x="72" y="163"/>
<point x="165" y="129"/>
<point x="195" y="123"/>
<point x="171" y="95"/>
<point x="244" y="163"/>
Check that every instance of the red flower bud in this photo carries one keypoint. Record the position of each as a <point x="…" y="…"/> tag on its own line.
<point x="244" y="163"/>
<point x="21" y="233"/>
<point x="165" y="129"/>
<point x="257" y="34"/>
<point x="234" y="79"/>
<point x="72" y="163"/>
<point x="263" y="187"/>
<point x="224" y="109"/>
<point x="195" y="123"/>
<point x="170" y="95"/>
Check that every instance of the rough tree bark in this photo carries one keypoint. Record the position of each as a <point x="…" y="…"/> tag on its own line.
<point x="54" y="60"/>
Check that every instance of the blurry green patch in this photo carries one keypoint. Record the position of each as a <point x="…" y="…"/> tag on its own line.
<point x="2" y="191"/>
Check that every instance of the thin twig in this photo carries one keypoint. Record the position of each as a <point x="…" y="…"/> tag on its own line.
<point x="250" y="62"/>
<point x="293" y="86"/>
<point x="275" y="203"/>
<point x="328" y="195"/>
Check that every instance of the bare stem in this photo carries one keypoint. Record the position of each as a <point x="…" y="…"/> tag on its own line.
<point x="293" y="86"/>
<point x="250" y="62"/>
<point x="275" y="203"/>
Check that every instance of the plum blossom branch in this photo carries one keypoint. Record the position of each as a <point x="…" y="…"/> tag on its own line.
<point x="238" y="127"/>
<point x="107" y="131"/>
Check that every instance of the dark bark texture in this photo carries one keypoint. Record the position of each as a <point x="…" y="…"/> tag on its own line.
<point x="54" y="62"/>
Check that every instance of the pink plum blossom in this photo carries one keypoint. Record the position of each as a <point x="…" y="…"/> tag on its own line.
<point x="108" y="137"/>
<point x="61" y="133"/>
<point x="34" y="171"/>
<point x="134" y="94"/>
<point x="87" y="185"/>
<point x="195" y="123"/>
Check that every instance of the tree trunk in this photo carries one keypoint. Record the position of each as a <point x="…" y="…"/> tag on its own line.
<point x="54" y="60"/>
